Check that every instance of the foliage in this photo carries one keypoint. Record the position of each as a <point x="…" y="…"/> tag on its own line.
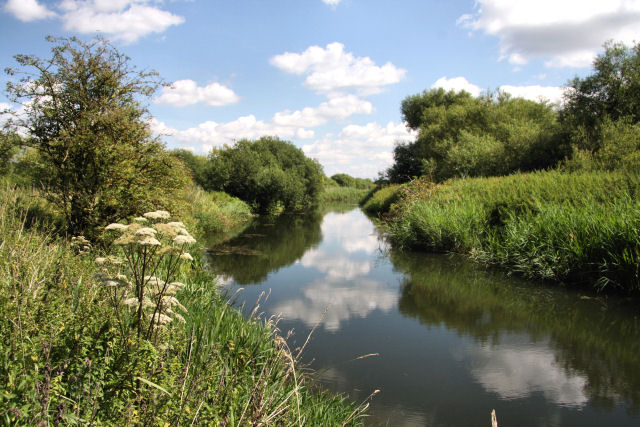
<point x="267" y="173"/>
<point x="580" y="228"/>
<point x="460" y="135"/>
<point x="342" y="194"/>
<point x="381" y="199"/>
<point x="83" y="115"/>
<point x="608" y="95"/>
<point x="197" y="164"/>
<point x="345" y="180"/>
<point x="9" y="143"/>
<point x="64" y="358"/>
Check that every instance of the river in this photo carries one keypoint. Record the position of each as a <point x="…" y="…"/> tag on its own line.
<point x="451" y="340"/>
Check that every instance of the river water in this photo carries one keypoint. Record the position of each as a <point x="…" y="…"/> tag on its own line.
<point x="452" y="340"/>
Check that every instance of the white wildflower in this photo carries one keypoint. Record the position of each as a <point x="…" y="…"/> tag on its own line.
<point x="116" y="226"/>
<point x="186" y="256"/>
<point x="114" y="260"/>
<point x="158" y="215"/>
<point x="149" y="241"/>
<point x="178" y="285"/>
<point x="140" y="219"/>
<point x="100" y="260"/>
<point x="181" y="240"/>
<point x="146" y="231"/>
<point x="110" y="283"/>
<point x="179" y="318"/>
<point x="131" y="302"/>
<point x="160" y="319"/>
<point x="176" y="224"/>
<point x="153" y="280"/>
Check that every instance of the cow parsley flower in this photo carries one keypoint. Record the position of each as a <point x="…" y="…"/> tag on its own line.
<point x="146" y="231"/>
<point x="186" y="256"/>
<point x="181" y="240"/>
<point x="115" y="226"/>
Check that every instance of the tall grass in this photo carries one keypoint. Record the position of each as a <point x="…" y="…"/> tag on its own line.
<point x="572" y="227"/>
<point x="63" y="359"/>
<point x="342" y="194"/>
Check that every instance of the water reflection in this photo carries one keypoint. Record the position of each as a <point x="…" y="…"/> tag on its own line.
<point x="519" y="370"/>
<point x="454" y="341"/>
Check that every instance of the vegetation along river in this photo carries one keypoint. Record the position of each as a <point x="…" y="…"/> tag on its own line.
<point x="453" y="341"/>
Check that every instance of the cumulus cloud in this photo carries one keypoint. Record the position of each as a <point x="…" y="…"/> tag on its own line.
<point x="331" y="2"/>
<point x="567" y="33"/>
<point x="360" y="151"/>
<point x="286" y="124"/>
<point x="332" y="69"/>
<point x="124" y="20"/>
<point x="339" y="107"/>
<point x="187" y="92"/>
<point x="552" y="94"/>
<point x="457" y="84"/>
<point x="211" y="134"/>
<point x="28" y="10"/>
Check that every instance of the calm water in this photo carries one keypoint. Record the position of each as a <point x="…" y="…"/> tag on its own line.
<point x="453" y="341"/>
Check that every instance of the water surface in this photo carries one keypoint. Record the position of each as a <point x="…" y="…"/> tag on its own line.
<point x="453" y="341"/>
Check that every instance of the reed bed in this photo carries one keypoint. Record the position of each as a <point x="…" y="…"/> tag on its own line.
<point x="580" y="228"/>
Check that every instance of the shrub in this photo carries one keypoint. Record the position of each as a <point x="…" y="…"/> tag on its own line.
<point x="267" y="173"/>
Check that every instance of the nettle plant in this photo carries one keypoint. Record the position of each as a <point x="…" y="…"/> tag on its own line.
<point x="141" y="278"/>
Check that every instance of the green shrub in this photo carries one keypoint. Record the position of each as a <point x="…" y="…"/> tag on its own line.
<point x="267" y="173"/>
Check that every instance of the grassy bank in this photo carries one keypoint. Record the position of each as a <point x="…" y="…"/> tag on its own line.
<point x="581" y="228"/>
<point x="342" y="194"/>
<point x="70" y="353"/>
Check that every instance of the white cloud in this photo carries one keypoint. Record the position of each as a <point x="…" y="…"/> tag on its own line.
<point x="552" y="94"/>
<point x="533" y="92"/>
<point x="339" y="107"/>
<point x="187" y="92"/>
<point x="126" y="20"/>
<point x="457" y="84"/>
<point x="28" y="10"/>
<point x="331" y="69"/>
<point x="360" y="151"/>
<point x="213" y="134"/>
<point x="566" y="33"/>
<point x="331" y="2"/>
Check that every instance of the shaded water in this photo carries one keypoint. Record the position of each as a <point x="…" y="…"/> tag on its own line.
<point x="454" y="341"/>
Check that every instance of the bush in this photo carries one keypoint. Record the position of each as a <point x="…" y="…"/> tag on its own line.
<point x="267" y="173"/>
<point x="96" y="159"/>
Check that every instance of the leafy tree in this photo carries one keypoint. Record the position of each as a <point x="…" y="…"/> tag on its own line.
<point x="84" y="114"/>
<point x="9" y="143"/>
<point x="197" y="164"/>
<point x="345" y="180"/>
<point x="460" y="135"/>
<point x="609" y="94"/>
<point x="267" y="173"/>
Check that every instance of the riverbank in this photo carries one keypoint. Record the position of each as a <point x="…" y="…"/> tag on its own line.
<point x="67" y="356"/>
<point x="580" y="228"/>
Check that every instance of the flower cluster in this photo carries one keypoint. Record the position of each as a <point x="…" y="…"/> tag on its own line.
<point x="153" y="251"/>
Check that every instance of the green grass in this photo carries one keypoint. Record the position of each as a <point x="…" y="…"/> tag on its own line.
<point x="64" y="358"/>
<point x="580" y="228"/>
<point x="342" y="194"/>
<point x="380" y="200"/>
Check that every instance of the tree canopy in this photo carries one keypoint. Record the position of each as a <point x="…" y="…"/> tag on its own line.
<point x="267" y="173"/>
<point x="84" y="114"/>
<point x="461" y="135"/>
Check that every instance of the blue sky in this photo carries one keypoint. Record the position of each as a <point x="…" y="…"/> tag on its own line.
<point x="328" y="75"/>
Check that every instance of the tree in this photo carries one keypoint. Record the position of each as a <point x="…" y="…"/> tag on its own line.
<point x="84" y="114"/>
<point x="608" y="95"/>
<point x="266" y="173"/>
<point x="196" y="164"/>
<point x="460" y="135"/>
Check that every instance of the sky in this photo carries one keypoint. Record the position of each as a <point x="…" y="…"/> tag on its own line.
<point x="327" y="75"/>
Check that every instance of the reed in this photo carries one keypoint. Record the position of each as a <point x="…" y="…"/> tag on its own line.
<point x="579" y="228"/>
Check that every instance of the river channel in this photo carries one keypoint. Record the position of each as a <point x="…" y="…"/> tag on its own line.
<point x="452" y="340"/>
